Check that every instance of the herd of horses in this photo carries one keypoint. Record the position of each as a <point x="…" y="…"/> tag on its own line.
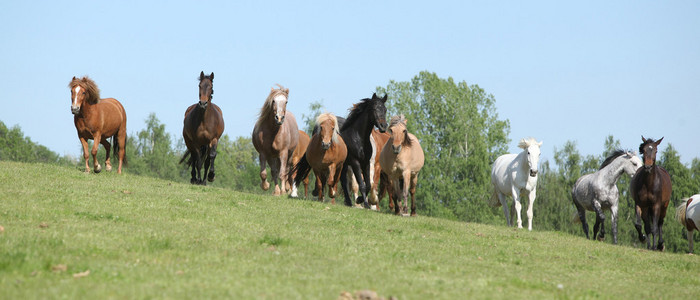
<point x="371" y="157"/>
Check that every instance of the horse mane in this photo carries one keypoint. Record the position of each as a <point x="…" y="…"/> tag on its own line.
<point x="617" y="153"/>
<point x="527" y="142"/>
<point x="267" y="106"/>
<point x="329" y="116"/>
<point x="648" y="141"/>
<point x="357" y="110"/>
<point x="89" y="85"/>
<point x="401" y="119"/>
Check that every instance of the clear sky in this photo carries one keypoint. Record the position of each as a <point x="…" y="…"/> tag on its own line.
<point x="559" y="70"/>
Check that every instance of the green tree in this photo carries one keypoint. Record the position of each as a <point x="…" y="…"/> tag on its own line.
<point x="315" y="109"/>
<point x="151" y="153"/>
<point x="459" y="130"/>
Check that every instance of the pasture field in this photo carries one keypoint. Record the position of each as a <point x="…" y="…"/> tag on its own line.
<point x="141" y="237"/>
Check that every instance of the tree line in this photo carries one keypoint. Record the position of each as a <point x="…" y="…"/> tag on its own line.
<point x="462" y="135"/>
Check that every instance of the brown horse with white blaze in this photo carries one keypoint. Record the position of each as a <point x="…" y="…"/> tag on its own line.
<point x="202" y="129"/>
<point x="97" y="119"/>
<point x="275" y="136"/>
<point x="401" y="159"/>
<point x="325" y="155"/>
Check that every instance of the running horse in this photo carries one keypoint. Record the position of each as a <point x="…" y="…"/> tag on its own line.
<point x="356" y="130"/>
<point x="275" y="137"/>
<point x="325" y="155"/>
<point x="97" y="119"/>
<point x="304" y="140"/>
<point x="203" y="126"/>
<point x="688" y="214"/>
<point x="401" y="159"/>
<point x="651" y="191"/>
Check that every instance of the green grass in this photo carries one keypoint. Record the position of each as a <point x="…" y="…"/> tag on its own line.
<point x="147" y="238"/>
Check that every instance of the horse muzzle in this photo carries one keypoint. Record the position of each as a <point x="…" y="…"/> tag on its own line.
<point x="75" y="109"/>
<point x="203" y="105"/>
<point x="382" y="126"/>
<point x="325" y="146"/>
<point x="533" y="173"/>
<point x="396" y="149"/>
<point x="279" y="120"/>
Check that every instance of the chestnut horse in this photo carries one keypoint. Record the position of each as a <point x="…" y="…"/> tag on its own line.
<point x="296" y="157"/>
<point x="651" y="191"/>
<point x="325" y="155"/>
<point x="97" y="119"/>
<point x="401" y="159"/>
<point x="275" y="136"/>
<point x="203" y="126"/>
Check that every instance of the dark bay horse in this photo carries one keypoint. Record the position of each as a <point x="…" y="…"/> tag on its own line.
<point x="365" y="115"/>
<point x="651" y="191"/>
<point x="203" y="126"/>
<point x="97" y="119"/>
<point x="325" y="155"/>
<point x="275" y="137"/>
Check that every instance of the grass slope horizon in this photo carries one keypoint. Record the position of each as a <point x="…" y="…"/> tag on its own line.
<point x="71" y="234"/>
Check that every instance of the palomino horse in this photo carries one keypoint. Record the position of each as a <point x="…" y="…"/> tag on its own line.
<point x="296" y="157"/>
<point x="688" y="214"/>
<point x="515" y="175"/>
<point x="651" y="191"/>
<point x="598" y="191"/>
<point x="203" y="126"/>
<point x="275" y="137"/>
<point x="325" y="155"/>
<point x="355" y="132"/>
<point x="401" y="159"/>
<point x="97" y="119"/>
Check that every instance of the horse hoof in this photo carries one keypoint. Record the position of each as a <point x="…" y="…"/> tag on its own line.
<point x="108" y="168"/>
<point x="413" y="214"/>
<point x="642" y="238"/>
<point x="193" y="181"/>
<point x="98" y="169"/>
<point x="265" y="185"/>
<point x="211" y="177"/>
<point x="359" y="200"/>
<point x="314" y="193"/>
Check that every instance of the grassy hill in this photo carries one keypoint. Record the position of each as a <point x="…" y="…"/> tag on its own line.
<point x="141" y="237"/>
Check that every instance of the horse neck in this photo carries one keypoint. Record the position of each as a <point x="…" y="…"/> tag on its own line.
<point x="364" y="129"/>
<point x="87" y="109"/>
<point x="522" y="159"/>
<point x="611" y="173"/>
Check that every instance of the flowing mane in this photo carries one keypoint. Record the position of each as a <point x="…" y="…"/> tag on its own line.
<point x="527" y="142"/>
<point x="617" y="153"/>
<point x="89" y="85"/>
<point x="357" y="110"/>
<point x="401" y="119"/>
<point x="329" y="116"/>
<point x="267" y="106"/>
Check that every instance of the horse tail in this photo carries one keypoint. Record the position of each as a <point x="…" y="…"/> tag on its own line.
<point x="493" y="200"/>
<point x="187" y="155"/>
<point x="302" y="169"/>
<point x="116" y="146"/>
<point x="680" y="212"/>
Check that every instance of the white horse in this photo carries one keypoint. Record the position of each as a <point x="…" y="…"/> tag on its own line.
<point x="515" y="175"/>
<point x="688" y="213"/>
<point x="598" y="191"/>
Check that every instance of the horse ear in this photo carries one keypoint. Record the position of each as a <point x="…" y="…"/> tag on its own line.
<point x="374" y="96"/>
<point x="201" y="76"/>
<point x="539" y="144"/>
<point x="643" y="139"/>
<point x="384" y="99"/>
<point x="73" y="78"/>
<point x="211" y="77"/>
<point x="659" y="141"/>
<point x="286" y="91"/>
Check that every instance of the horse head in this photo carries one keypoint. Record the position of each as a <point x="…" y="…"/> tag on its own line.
<point x="379" y="112"/>
<point x="532" y="147"/>
<point x="82" y="90"/>
<point x="329" y="129"/>
<point x="399" y="133"/>
<point x="648" y="150"/>
<point x="206" y="89"/>
<point x="279" y="103"/>
<point x="633" y="163"/>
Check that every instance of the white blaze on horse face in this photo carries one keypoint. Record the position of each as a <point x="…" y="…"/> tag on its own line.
<point x="280" y="102"/>
<point x="75" y="98"/>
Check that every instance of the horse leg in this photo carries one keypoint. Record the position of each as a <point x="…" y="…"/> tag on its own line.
<point x="212" y="156"/>
<point x="275" y="172"/>
<point x="581" y="215"/>
<point x="84" y="142"/>
<point x="613" y="220"/>
<point x="306" y="187"/>
<point x="200" y="161"/>
<point x="504" y="204"/>
<point x="207" y="163"/>
<point x="599" y="221"/>
<point x="108" y="148"/>
<point x="344" y="183"/>
<point x="333" y="181"/>
<point x="659" y="228"/>
<point x="414" y="182"/>
<point x="638" y="223"/>
<point x="263" y="173"/>
<point x="518" y="206"/>
<point x="690" y="241"/>
<point x="647" y="227"/>
<point x="530" y="208"/>
<point x="121" y="143"/>
<point x="283" y="176"/>
<point x="365" y="185"/>
<point x="396" y="187"/>
<point x="95" y="147"/>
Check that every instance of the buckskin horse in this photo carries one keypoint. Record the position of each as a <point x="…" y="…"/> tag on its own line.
<point x="97" y="119"/>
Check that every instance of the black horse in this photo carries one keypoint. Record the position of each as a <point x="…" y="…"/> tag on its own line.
<point x="356" y="129"/>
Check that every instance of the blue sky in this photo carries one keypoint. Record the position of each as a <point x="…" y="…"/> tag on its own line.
<point x="559" y="70"/>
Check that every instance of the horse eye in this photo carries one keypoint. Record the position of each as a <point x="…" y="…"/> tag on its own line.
<point x="83" y="93"/>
